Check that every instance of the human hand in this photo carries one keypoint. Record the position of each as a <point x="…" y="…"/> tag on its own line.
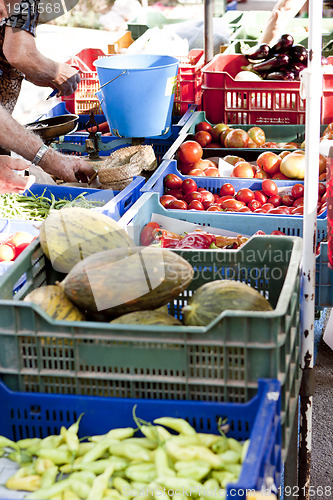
<point x="10" y="182"/>
<point x="67" y="79"/>
<point x="3" y="10"/>
<point x="67" y="167"/>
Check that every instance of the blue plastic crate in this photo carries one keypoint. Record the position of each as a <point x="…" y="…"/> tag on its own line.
<point x="213" y="184"/>
<point x="115" y="202"/>
<point x="140" y="214"/>
<point x="27" y="415"/>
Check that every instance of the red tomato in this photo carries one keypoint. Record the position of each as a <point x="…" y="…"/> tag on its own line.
<point x="244" y="209"/>
<point x="269" y="187"/>
<point x="287" y="200"/>
<point x="254" y="204"/>
<point x="188" y="186"/>
<point x="260" y="174"/>
<point x="277" y="232"/>
<point x="214" y="208"/>
<point x="260" y="196"/>
<point x="172" y="181"/>
<point x="232" y="205"/>
<point x="227" y="189"/>
<point x="189" y="152"/>
<point x="214" y="145"/>
<point x="203" y="126"/>
<point x="280" y="176"/>
<point x="321" y="189"/>
<point x="266" y="207"/>
<point x="184" y="168"/>
<point x="269" y="162"/>
<point x="297" y="210"/>
<point x="226" y="197"/>
<point x="177" y="193"/>
<point x="243" y="169"/>
<point x="244" y="194"/>
<point x="178" y="205"/>
<point x="212" y="172"/>
<point x="275" y="200"/>
<point x="297" y="191"/>
<point x="203" y="138"/>
<point x="195" y="205"/>
<point x="216" y="197"/>
<point x="147" y="233"/>
<point x="279" y="210"/>
<point x="207" y="198"/>
<point x="193" y="195"/>
<point x="166" y="199"/>
<point x="197" y="172"/>
<point x="298" y="202"/>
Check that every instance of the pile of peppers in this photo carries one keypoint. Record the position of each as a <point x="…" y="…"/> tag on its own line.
<point x="169" y="457"/>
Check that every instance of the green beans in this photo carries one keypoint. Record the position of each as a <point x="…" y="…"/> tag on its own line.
<point x="34" y="207"/>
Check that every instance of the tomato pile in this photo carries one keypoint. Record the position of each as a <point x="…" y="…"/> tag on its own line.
<point x="285" y="165"/>
<point x="11" y="247"/>
<point x="185" y="195"/>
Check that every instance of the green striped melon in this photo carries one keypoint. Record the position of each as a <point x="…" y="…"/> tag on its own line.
<point x="147" y="318"/>
<point x="53" y="301"/>
<point x="71" y="234"/>
<point x="212" y="298"/>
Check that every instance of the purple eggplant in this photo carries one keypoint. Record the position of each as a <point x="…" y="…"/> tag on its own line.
<point x="281" y="74"/>
<point x="258" y="52"/>
<point x="298" y="53"/>
<point x="282" y="45"/>
<point x="296" y="68"/>
<point x="274" y="63"/>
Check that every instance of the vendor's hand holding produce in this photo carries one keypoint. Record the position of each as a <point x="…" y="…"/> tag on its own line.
<point x="116" y="465"/>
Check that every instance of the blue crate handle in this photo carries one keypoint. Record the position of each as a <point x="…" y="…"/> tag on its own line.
<point x="191" y="111"/>
<point x="118" y="205"/>
<point x="159" y="172"/>
<point x="169" y="155"/>
<point x="197" y="116"/>
<point x="127" y="218"/>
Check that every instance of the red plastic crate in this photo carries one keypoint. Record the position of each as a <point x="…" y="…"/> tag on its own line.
<point x="84" y="99"/>
<point x="227" y="100"/>
<point x="189" y="81"/>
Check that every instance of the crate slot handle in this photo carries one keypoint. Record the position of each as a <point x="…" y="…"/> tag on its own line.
<point x="123" y="73"/>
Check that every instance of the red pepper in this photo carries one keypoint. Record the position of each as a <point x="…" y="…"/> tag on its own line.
<point x="199" y="240"/>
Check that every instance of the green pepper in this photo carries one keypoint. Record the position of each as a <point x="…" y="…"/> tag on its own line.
<point x="142" y="441"/>
<point x="235" y="446"/>
<point x="26" y="470"/>
<point x="100" y="484"/>
<point x="112" y="494"/>
<point x="190" y="486"/>
<point x="5" y="442"/>
<point x="124" y="487"/>
<point x="131" y="451"/>
<point x="186" y="440"/>
<point x="98" y="450"/>
<point x="141" y="472"/>
<point x="70" y="435"/>
<point x="139" y="485"/>
<point x="162" y="463"/>
<point x="224" y="477"/>
<point x="118" y="434"/>
<point x="96" y="467"/>
<point x="220" y="445"/>
<point x="42" y="464"/>
<point x="49" y="476"/>
<point x="28" y="442"/>
<point x="230" y="457"/>
<point x="21" y="457"/>
<point x="57" y="455"/>
<point x="208" y="439"/>
<point x="177" y="424"/>
<point x="177" y="452"/>
<point x="26" y="483"/>
<point x="211" y="484"/>
<point x="244" y="450"/>
<point x="80" y="488"/>
<point x="196" y="469"/>
<point x="235" y="469"/>
<point x="69" y="495"/>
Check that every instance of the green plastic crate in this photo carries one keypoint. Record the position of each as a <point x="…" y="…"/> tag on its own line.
<point x="149" y="19"/>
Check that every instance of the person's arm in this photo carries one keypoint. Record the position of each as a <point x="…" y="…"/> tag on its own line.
<point x="14" y="137"/>
<point x="283" y="12"/>
<point x="20" y="50"/>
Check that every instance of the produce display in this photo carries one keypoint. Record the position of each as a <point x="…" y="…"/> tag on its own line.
<point x="33" y="207"/>
<point x="11" y="246"/>
<point x="283" y="166"/>
<point x="153" y="234"/>
<point x="168" y="454"/>
<point x="283" y="61"/>
<point x="182" y="194"/>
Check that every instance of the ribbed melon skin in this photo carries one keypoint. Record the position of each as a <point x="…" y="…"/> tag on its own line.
<point x="123" y="280"/>
<point x="71" y="234"/>
<point x="53" y="301"/>
<point x="147" y="318"/>
<point x="212" y="298"/>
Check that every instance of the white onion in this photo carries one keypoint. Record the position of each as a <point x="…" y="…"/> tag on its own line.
<point x="244" y="76"/>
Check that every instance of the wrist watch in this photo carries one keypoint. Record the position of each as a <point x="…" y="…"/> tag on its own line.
<point x="39" y="155"/>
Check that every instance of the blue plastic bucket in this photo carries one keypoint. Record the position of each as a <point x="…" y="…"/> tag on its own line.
<point x="137" y="93"/>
